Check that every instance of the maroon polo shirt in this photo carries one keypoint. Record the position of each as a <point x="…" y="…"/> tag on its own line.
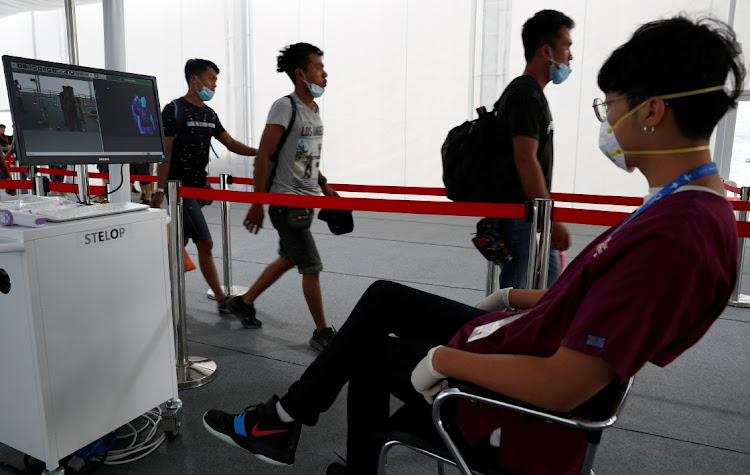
<point x="647" y="292"/>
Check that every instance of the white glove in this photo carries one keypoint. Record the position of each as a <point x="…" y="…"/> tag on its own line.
<point x="496" y="301"/>
<point x="424" y="378"/>
<point x="436" y="389"/>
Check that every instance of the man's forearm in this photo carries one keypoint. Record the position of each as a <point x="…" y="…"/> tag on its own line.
<point x="260" y="172"/>
<point x="162" y="174"/>
<point x="554" y="383"/>
<point x="242" y="149"/>
<point x="524" y="298"/>
<point x="532" y="178"/>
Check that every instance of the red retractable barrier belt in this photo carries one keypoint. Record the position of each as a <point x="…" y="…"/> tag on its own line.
<point x="733" y="189"/>
<point x="15" y="185"/>
<point x="360" y="204"/>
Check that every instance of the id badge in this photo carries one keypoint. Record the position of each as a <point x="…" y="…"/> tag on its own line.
<point x="483" y="331"/>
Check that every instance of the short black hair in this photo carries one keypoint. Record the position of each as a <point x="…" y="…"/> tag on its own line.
<point x="296" y="56"/>
<point x="679" y="55"/>
<point x="543" y="28"/>
<point x="197" y="66"/>
<point x="2" y="126"/>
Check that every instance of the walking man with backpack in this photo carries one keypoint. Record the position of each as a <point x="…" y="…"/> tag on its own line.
<point x="189" y="125"/>
<point x="525" y="130"/>
<point x="288" y="162"/>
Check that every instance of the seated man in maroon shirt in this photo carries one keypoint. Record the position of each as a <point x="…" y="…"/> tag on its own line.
<point x="600" y="322"/>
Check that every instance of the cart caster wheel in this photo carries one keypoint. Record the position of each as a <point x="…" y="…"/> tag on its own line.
<point x="170" y="424"/>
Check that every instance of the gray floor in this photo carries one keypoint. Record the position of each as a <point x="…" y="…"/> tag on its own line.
<point x="691" y="417"/>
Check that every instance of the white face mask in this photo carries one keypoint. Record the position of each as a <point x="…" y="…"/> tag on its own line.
<point x="611" y="148"/>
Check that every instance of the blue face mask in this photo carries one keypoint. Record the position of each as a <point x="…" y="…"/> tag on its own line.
<point x="314" y="89"/>
<point x="205" y="93"/>
<point x="560" y="73"/>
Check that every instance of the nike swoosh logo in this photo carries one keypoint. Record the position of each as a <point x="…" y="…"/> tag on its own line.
<point x="262" y="433"/>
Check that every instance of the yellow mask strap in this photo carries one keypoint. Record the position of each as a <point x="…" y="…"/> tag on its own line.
<point x="663" y="152"/>
<point x="666" y="96"/>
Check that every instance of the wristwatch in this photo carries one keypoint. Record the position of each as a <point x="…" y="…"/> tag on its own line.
<point x="160" y="190"/>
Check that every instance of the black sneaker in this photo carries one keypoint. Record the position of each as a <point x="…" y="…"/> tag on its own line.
<point x="222" y="306"/>
<point x="243" y="311"/>
<point x="258" y="430"/>
<point x="321" y="339"/>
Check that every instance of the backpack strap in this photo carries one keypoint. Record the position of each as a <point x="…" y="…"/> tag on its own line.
<point x="282" y="140"/>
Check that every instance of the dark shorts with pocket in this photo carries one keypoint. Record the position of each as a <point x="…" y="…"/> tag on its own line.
<point x="296" y="245"/>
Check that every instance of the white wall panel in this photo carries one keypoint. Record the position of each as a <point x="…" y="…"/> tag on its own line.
<point x="365" y="101"/>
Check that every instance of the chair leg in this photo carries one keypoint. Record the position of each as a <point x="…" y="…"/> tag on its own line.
<point x="441" y="468"/>
<point x="383" y="458"/>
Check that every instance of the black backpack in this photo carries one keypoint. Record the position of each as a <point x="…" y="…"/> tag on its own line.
<point x="470" y="152"/>
<point x="472" y="161"/>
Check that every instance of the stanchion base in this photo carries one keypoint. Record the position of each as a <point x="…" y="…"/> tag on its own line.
<point x="199" y="371"/>
<point x="743" y="301"/>
<point x="236" y="290"/>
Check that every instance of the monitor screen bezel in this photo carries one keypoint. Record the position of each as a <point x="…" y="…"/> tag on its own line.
<point x="104" y="158"/>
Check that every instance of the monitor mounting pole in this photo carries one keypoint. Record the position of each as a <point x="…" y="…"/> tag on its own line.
<point x="82" y="172"/>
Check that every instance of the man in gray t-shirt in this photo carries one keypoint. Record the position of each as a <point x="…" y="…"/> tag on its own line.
<point x="299" y="158"/>
<point x="296" y="171"/>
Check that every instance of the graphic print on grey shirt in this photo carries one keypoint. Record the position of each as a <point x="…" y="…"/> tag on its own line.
<point x="299" y="158"/>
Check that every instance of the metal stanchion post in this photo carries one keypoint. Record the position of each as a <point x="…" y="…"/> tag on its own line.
<point x="39" y="186"/>
<point x="226" y="244"/>
<point x="32" y="175"/>
<point x="538" y="266"/>
<point x="738" y="299"/>
<point x="493" y="275"/>
<point x="192" y="371"/>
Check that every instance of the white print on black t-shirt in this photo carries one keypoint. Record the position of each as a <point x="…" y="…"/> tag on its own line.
<point x="193" y="123"/>
<point x="550" y="127"/>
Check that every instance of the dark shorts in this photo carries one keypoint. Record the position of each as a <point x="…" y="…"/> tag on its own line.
<point x="141" y="169"/>
<point x="57" y="178"/>
<point x="193" y="221"/>
<point x="296" y="245"/>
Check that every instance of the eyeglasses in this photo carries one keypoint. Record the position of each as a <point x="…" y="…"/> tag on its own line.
<point x="602" y="107"/>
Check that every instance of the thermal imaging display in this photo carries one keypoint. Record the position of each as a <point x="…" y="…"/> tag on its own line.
<point x="67" y="114"/>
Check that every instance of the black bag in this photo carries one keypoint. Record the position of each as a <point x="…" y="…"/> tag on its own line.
<point x="275" y="157"/>
<point x="298" y="218"/>
<point x="492" y="241"/>
<point x="470" y="152"/>
<point x="473" y="167"/>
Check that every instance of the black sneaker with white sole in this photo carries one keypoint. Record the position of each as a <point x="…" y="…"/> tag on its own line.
<point x="221" y="306"/>
<point x="321" y="339"/>
<point x="258" y="430"/>
<point x="243" y="311"/>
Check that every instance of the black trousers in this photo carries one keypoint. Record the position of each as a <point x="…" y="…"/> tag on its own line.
<point x="390" y="330"/>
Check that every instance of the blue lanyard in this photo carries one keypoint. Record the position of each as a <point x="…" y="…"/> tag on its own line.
<point x="687" y="177"/>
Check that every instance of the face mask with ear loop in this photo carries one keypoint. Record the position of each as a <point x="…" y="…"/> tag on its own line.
<point x="558" y="72"/>
<point x="314" y="89"/>
<point x="611" y="148"/>
<point x="204" y="93"/>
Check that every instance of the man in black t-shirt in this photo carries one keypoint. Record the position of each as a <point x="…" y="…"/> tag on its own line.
<point x="188" y="129"/>
<point x="525" y="124"/>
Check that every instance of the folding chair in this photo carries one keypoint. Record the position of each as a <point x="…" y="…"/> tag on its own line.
<point x="593" y="416"/>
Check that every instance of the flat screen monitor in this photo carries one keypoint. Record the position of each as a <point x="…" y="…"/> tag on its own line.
<point x="67" y="115"/>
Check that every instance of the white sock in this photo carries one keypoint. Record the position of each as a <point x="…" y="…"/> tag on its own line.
<point x="283" y="415"/>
